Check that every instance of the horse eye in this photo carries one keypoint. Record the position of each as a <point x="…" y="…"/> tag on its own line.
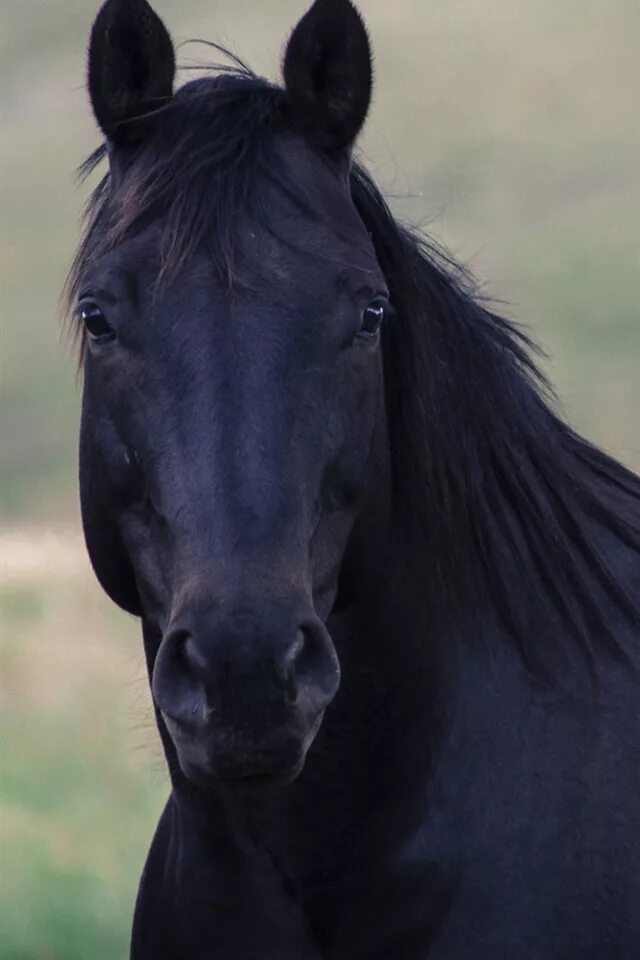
<point x="373" y="316"/>
<point x="95" y="322"/>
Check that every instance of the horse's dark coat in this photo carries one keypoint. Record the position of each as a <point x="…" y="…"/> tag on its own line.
<point x="256" y="460"/>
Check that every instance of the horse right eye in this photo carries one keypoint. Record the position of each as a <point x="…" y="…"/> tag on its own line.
<point x="95" y="323"/>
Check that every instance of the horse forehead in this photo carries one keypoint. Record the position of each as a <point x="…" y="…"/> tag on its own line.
<point x="296" y="251"/>
<point x="315" y="188"/>
<point x="314" y="233"/>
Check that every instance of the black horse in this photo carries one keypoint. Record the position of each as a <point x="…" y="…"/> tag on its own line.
<point x="390" y="601"/>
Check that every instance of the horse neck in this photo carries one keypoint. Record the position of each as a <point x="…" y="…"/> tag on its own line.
<point x="540" y="564"/>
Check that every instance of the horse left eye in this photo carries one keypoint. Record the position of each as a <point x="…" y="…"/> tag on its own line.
<point x="372" y="317"/>
<point x="96" y="324"/>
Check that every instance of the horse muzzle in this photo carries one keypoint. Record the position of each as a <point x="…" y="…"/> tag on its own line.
<point x="241" y="700"/>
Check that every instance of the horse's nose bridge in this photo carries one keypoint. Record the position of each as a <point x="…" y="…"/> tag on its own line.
<point x="239" y="510"/>
<point x="240" y="643"/>
<point x="237" y="472"/>
<point x="244" y="641"/>
<point x="248" y="581"/>
<point x="261" y="450"/>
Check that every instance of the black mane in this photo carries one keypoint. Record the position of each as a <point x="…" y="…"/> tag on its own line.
<point x="506" y="497"/>
<point x="500" y="497"/>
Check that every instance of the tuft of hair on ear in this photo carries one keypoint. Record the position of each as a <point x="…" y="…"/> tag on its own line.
<point x="328" y="74"/>
<point x="131" y="68"/>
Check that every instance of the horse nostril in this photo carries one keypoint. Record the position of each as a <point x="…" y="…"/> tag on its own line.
<point x="179" y="655"/>
<point x="177" y="677"/>
<point x="290" y="668"/>
<point x="194" y="660"/>
<point x="311" y="668"/>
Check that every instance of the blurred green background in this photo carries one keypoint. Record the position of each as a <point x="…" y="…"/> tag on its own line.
<point x="509" y="128"/>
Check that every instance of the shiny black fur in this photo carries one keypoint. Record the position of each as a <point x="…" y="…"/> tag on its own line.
<point x="251" y="454"/>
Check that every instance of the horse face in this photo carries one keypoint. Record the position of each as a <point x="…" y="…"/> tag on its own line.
<point x="228" y="427"/>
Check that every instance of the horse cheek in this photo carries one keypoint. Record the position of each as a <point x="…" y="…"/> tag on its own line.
<point x="108" y="556"/>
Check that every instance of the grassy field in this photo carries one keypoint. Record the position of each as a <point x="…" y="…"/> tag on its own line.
<point x="510" y="128"/>
<point x="82" y="772"/>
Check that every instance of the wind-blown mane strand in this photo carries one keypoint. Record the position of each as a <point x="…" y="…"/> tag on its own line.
<point x="502" y="495"/>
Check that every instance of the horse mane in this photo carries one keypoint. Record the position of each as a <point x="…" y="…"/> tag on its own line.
<point x="496" y="496"/>
<point x="503" y="496"/>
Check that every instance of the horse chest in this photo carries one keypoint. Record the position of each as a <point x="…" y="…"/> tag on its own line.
<point x="514" y="849"/>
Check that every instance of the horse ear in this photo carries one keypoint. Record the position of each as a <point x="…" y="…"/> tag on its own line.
<point x="328" y="74"/>
<point x="131" y="68"/>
